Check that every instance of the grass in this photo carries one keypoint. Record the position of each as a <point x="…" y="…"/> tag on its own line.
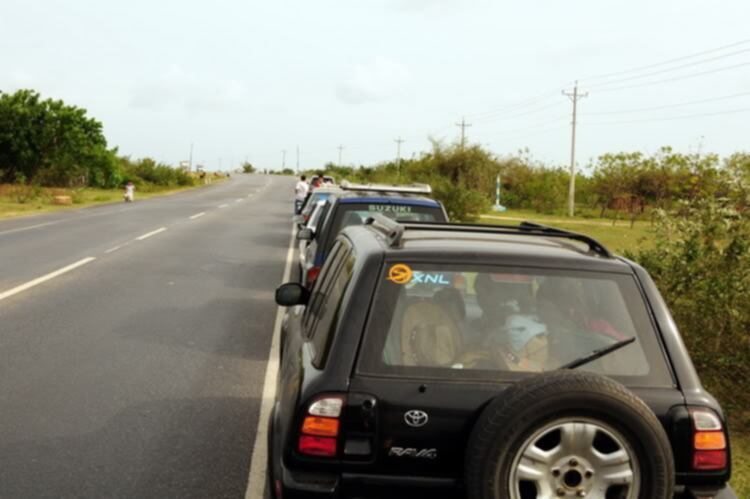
<point x="620" y="237"/>
<point x="741" y="463"/>
<point x="42" y="203"/>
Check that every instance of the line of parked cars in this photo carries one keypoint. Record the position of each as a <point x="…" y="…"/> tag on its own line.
<point x="422" y="358"/>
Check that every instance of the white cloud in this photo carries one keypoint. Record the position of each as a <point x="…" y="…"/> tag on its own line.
<point x="178" y="89"/>
<point x="374" y="81"/>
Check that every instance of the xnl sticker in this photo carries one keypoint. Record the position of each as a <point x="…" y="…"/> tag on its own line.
<point x="400" y="273"/>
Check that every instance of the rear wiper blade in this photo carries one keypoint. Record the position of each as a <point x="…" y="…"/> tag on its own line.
<point x="597" y="354"/>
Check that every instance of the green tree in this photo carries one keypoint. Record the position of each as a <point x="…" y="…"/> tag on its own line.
<point x="51" y="143"/>
<point x="247" y="167"/>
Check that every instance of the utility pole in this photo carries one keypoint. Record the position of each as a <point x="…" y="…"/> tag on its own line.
<point x="574" y="96"/>
<point x="463" y="125"/>
<point x="190" y="162"/>
<point x="283" y="159"/>
<point x="341" y="148"/>
<point x="297" y="159"/>
<point x="398" y="142"/>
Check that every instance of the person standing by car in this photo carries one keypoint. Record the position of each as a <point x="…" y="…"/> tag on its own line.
<point x="300" y="193"/>
<point x="317" y="181"/>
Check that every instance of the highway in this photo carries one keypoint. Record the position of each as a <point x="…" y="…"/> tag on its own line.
<point x="134" y="341"/>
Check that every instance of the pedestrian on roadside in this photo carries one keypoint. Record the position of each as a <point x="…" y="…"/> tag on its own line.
<point x="300" y="193"/>
<point x="129" y="192"/>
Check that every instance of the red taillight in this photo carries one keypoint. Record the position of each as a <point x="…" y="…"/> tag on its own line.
<point x="317" y="446"/>
<point x="709" y="441"/>
<point x="312" y="274"/>
<point x="709" y="460"/>
<point x="320" y="427"/>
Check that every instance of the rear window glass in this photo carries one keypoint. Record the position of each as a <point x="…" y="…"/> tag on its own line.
<point x="489" y="322"/>
<point x="356" y="214"/>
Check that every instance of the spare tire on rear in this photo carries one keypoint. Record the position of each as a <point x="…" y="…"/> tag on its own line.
<point x="568" y="434"/>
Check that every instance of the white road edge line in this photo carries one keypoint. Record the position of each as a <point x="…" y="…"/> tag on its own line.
<point x="149" y="234"/>
<point x="21" y="229"/>
<point x="256" y="482"/>
<point x="197" y="215"/>
<point x="51" y="275"/>
<point x="223" y="205"/>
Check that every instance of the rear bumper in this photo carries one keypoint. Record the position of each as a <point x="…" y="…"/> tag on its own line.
<point x="306" y="485"/>
<point x="706" y="493"/>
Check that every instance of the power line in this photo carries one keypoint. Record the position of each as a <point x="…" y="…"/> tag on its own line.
<point x="518" y="115"/>
<point x="671" y="118"/>
<point x="669" y="61"/>
<point x="676" y="78"/>
<point x="667" y="70"/>
<point x="574" y="96"/>
<point x="518" y="105"/>
<point x="667" y="106"/>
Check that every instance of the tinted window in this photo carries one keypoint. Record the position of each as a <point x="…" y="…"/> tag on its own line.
<point x="442" y="320"/>
<point x="326" y="274"/>
<point x="330" y="309"/>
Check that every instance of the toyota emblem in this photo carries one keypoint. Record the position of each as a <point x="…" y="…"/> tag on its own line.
<point x="416" y="418"/>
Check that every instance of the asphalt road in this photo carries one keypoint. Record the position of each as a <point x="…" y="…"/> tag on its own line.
<point x="139" y="372"/>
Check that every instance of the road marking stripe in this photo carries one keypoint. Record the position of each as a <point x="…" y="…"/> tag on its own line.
<point x="238" y="200"/>
<point x="197" y="215"/>
<point x="249" y="195"/>
<point x="20" y="229"/>
<point x="51" y="275"/>
<point x="110" y="250"/>
<point x="149" y="234"/>
<point x="223" y="205"/>
<point x="257" y="480"/>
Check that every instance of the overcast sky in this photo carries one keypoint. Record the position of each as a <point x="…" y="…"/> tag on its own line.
<point x="251" y="78"/>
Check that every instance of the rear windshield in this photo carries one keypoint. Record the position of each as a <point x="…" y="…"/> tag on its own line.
<point x="500" y="322"/>
<point x="357" y="213"/>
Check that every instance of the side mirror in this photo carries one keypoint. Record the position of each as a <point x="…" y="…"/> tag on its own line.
<point x="305" y="235"/>
<point x="291" y="294"/>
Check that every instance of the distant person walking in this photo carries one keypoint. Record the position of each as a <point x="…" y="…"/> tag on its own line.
<point x="129" y="192"/>
<point x="300" y="193"/>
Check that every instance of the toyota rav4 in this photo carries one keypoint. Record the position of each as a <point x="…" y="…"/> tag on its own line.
<point x="441" y="360"/>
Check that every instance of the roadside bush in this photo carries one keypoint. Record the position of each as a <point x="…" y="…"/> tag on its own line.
<point x="701" y="264"/>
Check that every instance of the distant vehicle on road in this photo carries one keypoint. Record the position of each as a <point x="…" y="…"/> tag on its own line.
<point x="354" y="204"/>
<point x="491" y="362"/>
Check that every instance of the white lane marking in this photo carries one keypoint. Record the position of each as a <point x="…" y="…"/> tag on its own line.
<point x="149" y="234"/>
<point x="197" y="215"/>
<point x="257" y="480"/>
<point x="249" y="195"/>
<point x="21" y="229"/>
<point x="223" y="205"/>
<point x="111" y="250"/>
<point x="239" y="200"/>
<point x="44" y="278"/>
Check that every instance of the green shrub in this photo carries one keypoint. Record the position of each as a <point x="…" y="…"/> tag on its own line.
<point x="701" y="264"/>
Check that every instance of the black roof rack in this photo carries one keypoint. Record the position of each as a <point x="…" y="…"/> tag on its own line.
<point x="394" y="231"/>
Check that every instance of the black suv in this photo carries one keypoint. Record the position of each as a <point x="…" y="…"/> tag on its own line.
<point x="441" y="360"/>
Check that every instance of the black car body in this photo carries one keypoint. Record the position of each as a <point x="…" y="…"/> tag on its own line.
<point x="333" y="361"/>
